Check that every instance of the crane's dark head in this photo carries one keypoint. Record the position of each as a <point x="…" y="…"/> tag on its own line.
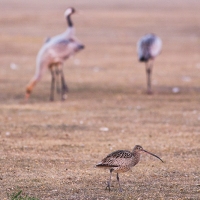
<point x="139" y="149"/>
<point x="69" y="11"/>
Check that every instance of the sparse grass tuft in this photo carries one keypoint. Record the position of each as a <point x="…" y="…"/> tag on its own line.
<point x="20" y="196"/>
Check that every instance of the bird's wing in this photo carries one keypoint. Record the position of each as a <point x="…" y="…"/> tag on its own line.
<point x="117" y="158"/>
<point x="143" y="47"/>
<point x="61" y="45"/>
<point x="156" y="47"/>
<point x="148" y="46"/>
<point x="59" y="49"/>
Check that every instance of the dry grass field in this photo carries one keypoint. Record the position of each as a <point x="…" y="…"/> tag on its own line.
<point x="49" y="149"/>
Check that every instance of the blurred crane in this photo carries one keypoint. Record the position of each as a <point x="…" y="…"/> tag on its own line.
<point x="148" y="47"/>
<point x="53" y="54"/>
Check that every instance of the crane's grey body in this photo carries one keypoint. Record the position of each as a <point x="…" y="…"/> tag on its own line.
<point x="57" y="49"/>
<point x="53" y="54"/>
<point x="122" y="161"/>
<point x="148" y="47"/>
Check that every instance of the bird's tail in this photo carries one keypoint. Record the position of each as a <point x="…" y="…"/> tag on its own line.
<point x="144" y="58"/>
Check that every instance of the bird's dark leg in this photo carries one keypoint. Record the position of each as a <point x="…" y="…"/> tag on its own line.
<point x="57" y="79"/>
<point x="109" y="182"/>
<point x="120" y="189"/>
<point x="64" y="89"/>
<point x="52" y="83"/>
<point x="149" y="65"/>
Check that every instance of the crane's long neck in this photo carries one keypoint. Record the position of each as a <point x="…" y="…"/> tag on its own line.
<point x="70" y="30"/>
<point x="69" y="21"/>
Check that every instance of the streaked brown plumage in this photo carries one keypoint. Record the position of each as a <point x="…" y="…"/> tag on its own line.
<point x="122" y="161"/>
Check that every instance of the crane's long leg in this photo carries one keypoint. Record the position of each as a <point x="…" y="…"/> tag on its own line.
<point x="64" y="89"/>
<point x="120" y="189"/>
<point x="149" y="66"/>
<point x="52" y="84"/>
<point x="109" y="182"/>
<point x="57" y="79"/>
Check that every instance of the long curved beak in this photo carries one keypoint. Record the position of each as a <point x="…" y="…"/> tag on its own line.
<point x="153" y="155"/>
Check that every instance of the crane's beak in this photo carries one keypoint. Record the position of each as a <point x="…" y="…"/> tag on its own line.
<point x="153" y="155"/>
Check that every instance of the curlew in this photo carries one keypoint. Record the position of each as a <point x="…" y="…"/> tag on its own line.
<point x="122" y="161"/>
<point x="53" y="54"/>
<point x="148" y="47"/>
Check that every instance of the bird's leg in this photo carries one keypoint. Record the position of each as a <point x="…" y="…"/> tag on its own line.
<point x="149" y="67"/>
<point x="52" y="83"/>
<point x="64" y="89"/>
<point x="120" y="189"/>
<point x="109" y="182"/>
<point x="57" y="79"/>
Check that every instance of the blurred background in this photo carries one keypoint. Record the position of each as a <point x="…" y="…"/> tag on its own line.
<point x="110" y="31"/>
<point x="48" y="149"/>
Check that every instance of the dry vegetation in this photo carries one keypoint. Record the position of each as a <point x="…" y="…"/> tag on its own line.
<point x="49" y="150"/>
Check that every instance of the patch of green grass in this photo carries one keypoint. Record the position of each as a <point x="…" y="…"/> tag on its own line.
<point x="20" y="196"/>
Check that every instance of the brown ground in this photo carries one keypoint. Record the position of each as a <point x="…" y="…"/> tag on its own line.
<point x="49" y="149"/>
